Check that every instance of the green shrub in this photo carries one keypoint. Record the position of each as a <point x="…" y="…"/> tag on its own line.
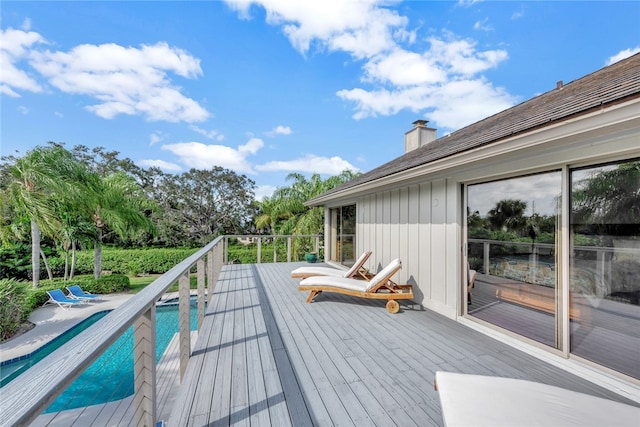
<point x="248" y="254"/>
<point x="129" y="261"/>
<point x="12" y="313"/>
<point x="109" y="284"/>
<point x="15" y="261"/>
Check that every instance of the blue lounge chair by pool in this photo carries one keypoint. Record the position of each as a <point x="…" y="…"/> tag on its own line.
<point x="76" y="292"/>
<point x="58" y="297"/>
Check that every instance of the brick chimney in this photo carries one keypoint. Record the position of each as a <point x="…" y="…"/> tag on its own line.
<point x="419" y="136"/>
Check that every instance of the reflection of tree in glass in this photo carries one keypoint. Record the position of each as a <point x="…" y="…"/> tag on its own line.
<point x="608" y="201"/>
<point x="508" y="215"/>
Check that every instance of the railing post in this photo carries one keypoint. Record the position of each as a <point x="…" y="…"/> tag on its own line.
<point x="318" y="246"/>
<point x="144" y="368"/>
<point x="487" y="255"/>
<point x="217" y="266"/>
<point x="201" y="270"/>
<point x="275" y="250"/>
<point x="211" y="261"/>
<point x="289" y="249"/>
<point x="259" y="249"/>
<point x="225" y="248"/>
<point x="184" y="322"/>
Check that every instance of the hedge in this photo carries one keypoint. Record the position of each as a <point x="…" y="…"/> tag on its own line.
<point x="126" y="261"/>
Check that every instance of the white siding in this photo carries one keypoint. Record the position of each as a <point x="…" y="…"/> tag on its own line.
<point x="414" y="224"/>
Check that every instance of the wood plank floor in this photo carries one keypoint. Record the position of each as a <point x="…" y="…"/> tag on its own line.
<point x="264" y="357"/>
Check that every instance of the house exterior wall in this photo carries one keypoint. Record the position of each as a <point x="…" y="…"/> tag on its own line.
<point x="421" y="221"/>
<point x="418" y="224"/>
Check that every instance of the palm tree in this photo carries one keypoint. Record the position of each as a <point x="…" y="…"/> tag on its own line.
<point x="607" y="200"/>
<point x="267" y="217"/>
<point x="286" y="213"/>
<point x="118" y="205"/>
<point x="74" y="229"/>
<point x="32" y="181"/>
<point x="508" y="215"/>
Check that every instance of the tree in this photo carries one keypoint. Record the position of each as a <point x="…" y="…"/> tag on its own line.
<point x="75" y="228"/>
<point x="199" y="205"/>
<point x="508" y="215"/>
<point x="31" y="183"/>
<point x="104" y="163"/>
<point x="290" y="210"/>
<point x="608" y="201"/>
<point x="285" y="212"/>
<point x="267" y="217"/>
<point x="117" y="204"/>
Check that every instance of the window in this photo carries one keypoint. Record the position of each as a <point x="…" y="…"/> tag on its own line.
<point x="605" y="265"/>
<point x="343" y="233"/>
<point x="512" y="230"/>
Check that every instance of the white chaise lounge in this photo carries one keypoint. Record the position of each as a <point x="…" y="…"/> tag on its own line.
<point x="478" y="400"/>
<point x="357" y="270"/>
<point x="379" y="287"/>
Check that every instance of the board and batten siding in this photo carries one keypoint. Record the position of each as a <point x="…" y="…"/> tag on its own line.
<point x="418" y="224"/>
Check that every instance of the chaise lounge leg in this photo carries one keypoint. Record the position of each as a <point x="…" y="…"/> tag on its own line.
<point x="312" y="295"/>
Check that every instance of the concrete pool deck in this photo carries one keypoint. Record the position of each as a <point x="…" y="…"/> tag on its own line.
<point x="51" y="321"/>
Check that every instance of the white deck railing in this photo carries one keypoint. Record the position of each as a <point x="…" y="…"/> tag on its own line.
<point x="24" y="398"/>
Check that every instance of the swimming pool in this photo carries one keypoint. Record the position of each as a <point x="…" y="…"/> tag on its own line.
<point x="110" y="377"/>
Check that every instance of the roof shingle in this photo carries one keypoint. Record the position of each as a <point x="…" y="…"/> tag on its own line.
<point x="613" y="84"/>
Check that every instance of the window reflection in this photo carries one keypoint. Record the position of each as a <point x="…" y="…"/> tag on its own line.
<point x="512" y="230"/>
<point x="605" y="265"/>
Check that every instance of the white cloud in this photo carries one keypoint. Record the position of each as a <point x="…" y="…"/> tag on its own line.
<point x="452" y="105"/>
<point x="26" y="24"/>
<point x="462" y="102"/>
<point x="402" y="68"/>
<point x="209" y="134"/>
<point x="395" y="75"/>
<point x="125" y="80"/>
<point x="280" y="130"/>
<point x="360" y="27"/>
<point x="311" y="164"/>
<point x="622" y="55"/>
<point x="156" y="137"/>
<point x="202" y="156"/>
<point x="517" y="15"/>
<point x="263" y="191"/>
<point x="14" y="47"/>
<point x="460" y="57"/>
<point x="468" y="3"/>
<point x="161" y="164"/>
<point x="23" y="110"/>
<point x="483" y="25"/>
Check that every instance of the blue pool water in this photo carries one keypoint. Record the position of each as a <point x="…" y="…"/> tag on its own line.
<point x="110" y="377"/>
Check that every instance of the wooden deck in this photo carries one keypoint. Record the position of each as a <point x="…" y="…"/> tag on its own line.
<point x="265" y="357"/>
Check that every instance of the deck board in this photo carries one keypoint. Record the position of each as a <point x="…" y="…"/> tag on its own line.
<point x="265" y="357"/>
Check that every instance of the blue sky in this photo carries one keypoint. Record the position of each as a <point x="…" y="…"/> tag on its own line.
<point x="270" y="87"/>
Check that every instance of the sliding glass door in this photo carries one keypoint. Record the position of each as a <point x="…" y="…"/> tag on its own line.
<point x="343" y="234"/>
<point x="512" y="233"/>
<point x="605" y="265"/>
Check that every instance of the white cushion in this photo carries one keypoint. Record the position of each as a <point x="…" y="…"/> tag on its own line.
<point x="379" y="277"/>
<point x="358" y="264"/>
<point x="336" y="282"/>
<point x="477" y="400"/>
<point x="320" y="271"/>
